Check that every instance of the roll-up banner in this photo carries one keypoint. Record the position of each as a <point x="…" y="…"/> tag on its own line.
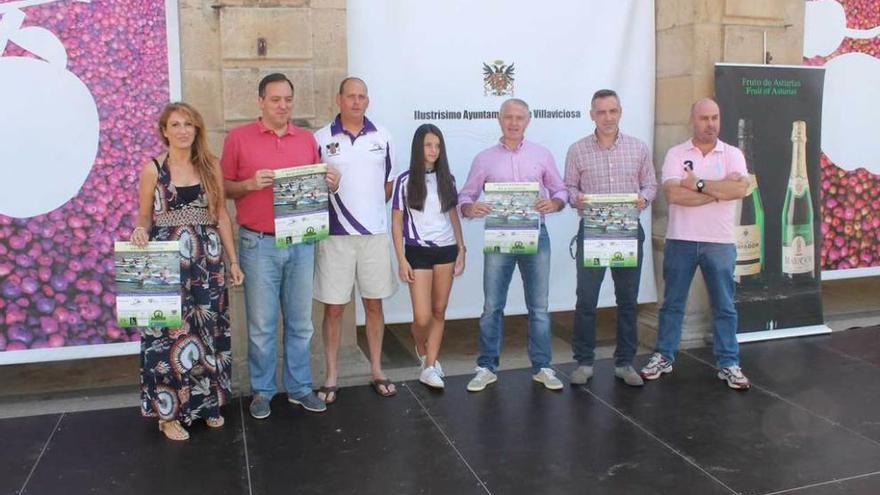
<point x="844" y="38"/>
<point x="81" y="88"/>
<point x="774" y="115"/>
<point x="452" y="63"/>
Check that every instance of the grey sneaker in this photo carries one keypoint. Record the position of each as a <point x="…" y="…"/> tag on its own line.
<point x="483" y="378"/>
<point x="309" y="402"/>
<point x="260" y="407"/>
<point x="581" y="375"/>
<point x="548" y="377"/>
<point x="628" y="375"/>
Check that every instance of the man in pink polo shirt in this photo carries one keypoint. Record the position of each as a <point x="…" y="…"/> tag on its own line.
<point x="278" y="278"/>
<point x="702" y="179"/>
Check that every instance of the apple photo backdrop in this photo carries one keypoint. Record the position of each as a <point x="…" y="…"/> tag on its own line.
<point x="81" y="88"/>
<point x="844" y="38"/>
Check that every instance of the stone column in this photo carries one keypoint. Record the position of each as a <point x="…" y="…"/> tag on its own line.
<point x="692" y="35"/>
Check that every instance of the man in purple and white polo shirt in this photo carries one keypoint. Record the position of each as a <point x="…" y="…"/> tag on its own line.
<point x="357" y="249"/>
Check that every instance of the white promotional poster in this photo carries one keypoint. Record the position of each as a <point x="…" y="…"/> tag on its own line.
<point x="611" y="230"/>
<point x="453" y="63"/>
<point x="300" y="205"/>
<point x="148" y="284"/>
<point x="513" y="225"/>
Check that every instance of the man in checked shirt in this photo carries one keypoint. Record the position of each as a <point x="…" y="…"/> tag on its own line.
<point x="607" y="162"/>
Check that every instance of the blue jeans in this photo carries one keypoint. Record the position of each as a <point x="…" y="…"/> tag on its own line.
<point x="716" y="262"/>
<point x="277" y="278"/>
<point x="535" y="272"/>
<point x="626" y="292"/>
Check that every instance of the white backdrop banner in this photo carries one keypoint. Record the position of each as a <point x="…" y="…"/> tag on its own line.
<point x="453" y="63"/>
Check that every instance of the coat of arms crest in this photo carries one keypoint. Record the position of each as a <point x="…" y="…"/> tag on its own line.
<point x="497" y="79"/>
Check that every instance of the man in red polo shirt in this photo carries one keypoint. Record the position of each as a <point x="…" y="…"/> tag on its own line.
<point x="278" y="278"/>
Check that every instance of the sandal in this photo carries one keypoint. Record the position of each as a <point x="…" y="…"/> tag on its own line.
<point x="215" y="422"/>
<point x="383" y="382"/>
<point x="173" y="430"/>
<point x="329" y="394"/>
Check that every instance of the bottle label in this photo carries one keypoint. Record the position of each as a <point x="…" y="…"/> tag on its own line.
<point x="797" y="256"/>
<point x="798" y="185"/>
<point x="753" y="184"/>
<point x="748" y="250"/>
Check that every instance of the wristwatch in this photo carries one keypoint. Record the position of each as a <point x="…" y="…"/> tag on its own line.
<point x="700" y="185"/>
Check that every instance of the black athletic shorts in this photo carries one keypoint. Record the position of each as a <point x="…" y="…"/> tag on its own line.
<point x="425" y="257"/>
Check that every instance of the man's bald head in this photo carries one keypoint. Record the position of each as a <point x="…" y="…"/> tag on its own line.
<point x="705" y="121"/>
<point x="704" y="104"/>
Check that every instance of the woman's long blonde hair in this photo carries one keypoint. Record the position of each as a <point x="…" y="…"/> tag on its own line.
<point x="199" y="155"/>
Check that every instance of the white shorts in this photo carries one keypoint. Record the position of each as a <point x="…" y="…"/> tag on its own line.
<point x="340" y="260"/>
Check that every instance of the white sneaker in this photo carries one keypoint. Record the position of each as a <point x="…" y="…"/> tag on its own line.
<point x="483" y="378"/>
<point x="734" y="377"/>
<point x="431" y="377"/>
<point x="436" y="363"/>
<point x="548" y="377"/>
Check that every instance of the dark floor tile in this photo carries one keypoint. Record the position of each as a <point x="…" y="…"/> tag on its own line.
<point x="363" y="444"/>
<point x="807" y="373"/>
<point x="752" y="441"/>
<point x="117" y="451"/>
<point x="523" y="439"/>
<point x="22" y="439"/>
<point x="867" y="485"/>
<point x="862" y="343"/>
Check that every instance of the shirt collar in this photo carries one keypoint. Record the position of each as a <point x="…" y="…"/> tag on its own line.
<point x="290" y="128"/>
<point x="336" y="126"/>
<point x="719" y="146"/>
<point x="595" y="139"/>
<point x="504" y="147"/>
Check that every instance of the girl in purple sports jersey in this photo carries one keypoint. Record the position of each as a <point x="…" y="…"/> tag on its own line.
<point x="428" y="242"/>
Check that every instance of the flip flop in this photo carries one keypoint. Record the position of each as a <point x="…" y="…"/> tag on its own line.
<point x="383" y="382"/>
<point x="330" y="393"/>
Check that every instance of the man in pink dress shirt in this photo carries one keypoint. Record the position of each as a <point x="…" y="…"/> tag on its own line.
<point x="702" y="179"/>
<point x="514" y="159"/>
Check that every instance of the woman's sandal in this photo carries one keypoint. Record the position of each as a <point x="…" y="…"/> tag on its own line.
<point x="215" y="422"/>
<point x="173" y="430"/>
<point x="328" y="394"/>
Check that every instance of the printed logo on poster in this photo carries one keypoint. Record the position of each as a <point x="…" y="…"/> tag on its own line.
<point x="498" y="79"/>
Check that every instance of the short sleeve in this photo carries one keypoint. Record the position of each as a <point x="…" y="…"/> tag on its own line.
<point x="399" y="194"/>
<point x="672" y="169"/>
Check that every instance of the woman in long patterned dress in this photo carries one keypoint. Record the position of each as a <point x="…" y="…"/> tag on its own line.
<point x="185" y="372"/>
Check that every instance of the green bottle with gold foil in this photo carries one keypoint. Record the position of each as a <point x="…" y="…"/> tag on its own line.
<point x="798" y="243"/>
